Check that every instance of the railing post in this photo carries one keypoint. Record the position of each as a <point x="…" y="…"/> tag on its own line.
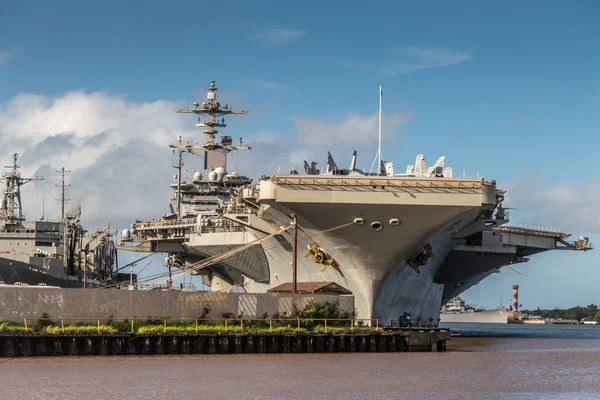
<point x="241" y="325"/>
<point x="132" y="322"/>
<point x="225" y="324"/>
<point x="270" y="326"/>
<point x="298" y="325"/>
<point x="377" y="326"/>
<point x="25" y="323"/>
<point x="164" y="325"/>
<point x="325" y="325"/>
<point x="98" y="325"/>
<point x="352" y="324"/>
<point x="196" y="326"/>
<point x="62" y="324"/>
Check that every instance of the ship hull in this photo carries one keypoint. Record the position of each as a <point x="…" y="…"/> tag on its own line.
<point x="12" y="271"/>
<point x="373" y="265"/>
<point x="488" y="317"/>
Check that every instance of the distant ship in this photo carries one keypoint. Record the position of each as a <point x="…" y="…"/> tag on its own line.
<point x="457" y="311"/>
<point x="52" y="253"/>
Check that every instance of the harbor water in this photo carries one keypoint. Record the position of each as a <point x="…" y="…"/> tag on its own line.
<point x="485" y="361"/>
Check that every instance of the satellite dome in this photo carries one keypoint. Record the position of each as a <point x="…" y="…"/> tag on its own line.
<point x="236" y="289"/>
<point x="212" y="176"/>
<point x="197" y="176"/>
<point x="221" y="172"/>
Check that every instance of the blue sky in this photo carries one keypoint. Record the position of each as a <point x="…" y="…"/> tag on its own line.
<point x="510" y="91"/>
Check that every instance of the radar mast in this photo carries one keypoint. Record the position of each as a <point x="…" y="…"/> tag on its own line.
<point x="213" y="114"/>
<point x="11" y="209"/>
<point x="210" y="115"/>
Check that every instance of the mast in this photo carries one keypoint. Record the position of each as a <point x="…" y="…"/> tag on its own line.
<point x="210" y="115"/>
<point x="62" y="199"/>
<point x="43" y="202"/>
<point x="379" y="156"/>
<point x="212" y="110"/>
<point x="11" y="209"/>
<point x="179" y="167"/>
<point x="379" y="148"/>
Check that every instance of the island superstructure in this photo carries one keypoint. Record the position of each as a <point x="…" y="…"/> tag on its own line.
<point x="54" y="253"/>
<point x="401" y="243"/>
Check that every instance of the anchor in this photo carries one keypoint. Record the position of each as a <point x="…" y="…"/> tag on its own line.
<point x="320" y="256"/>
<point x="421" y="258"/>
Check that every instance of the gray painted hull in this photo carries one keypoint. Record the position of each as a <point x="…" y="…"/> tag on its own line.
<point x="12" y="271"/>
<point x="483" y="317"/>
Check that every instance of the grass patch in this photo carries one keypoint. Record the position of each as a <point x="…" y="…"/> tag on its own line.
<point x="54" y="330"/>
<point x="10" y="327"/>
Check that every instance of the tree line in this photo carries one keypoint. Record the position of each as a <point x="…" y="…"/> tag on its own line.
<point x="588" y="313"/>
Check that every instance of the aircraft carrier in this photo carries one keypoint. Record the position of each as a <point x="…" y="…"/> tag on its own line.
<point x="402" y="243"/>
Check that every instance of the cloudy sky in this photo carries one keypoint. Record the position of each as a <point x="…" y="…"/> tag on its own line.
<point x="511" y="93"/>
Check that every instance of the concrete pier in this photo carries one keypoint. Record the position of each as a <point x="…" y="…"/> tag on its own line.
<point x="33" y="345"/>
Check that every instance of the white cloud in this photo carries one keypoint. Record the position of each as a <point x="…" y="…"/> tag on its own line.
<point x="5" y="56"/>
<point x="355" y="129"/>
<point x="117" y="151"/>
<point x="277" y="36"/>
<point x="411" y="59"/>
<point x="569" y="206"/>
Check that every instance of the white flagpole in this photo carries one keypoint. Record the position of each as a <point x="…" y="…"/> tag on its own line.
<point x="378" y="156"/>
<point x="379" y="149"/>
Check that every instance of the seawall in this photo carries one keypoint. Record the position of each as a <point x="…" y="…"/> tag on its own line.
<point x="31" y="302"/>
<point x="32" y="345"/>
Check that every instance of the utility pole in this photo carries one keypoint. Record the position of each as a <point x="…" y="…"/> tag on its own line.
<point x="131" y="276"/>
<point x="295" y="256"/>
<point x="62" y="199"/>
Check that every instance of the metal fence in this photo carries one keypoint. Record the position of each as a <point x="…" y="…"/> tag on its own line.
<point x="164" y="325"/>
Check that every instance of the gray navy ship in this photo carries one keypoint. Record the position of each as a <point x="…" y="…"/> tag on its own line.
<point x="402" y="243"/>
<point x="51" y="253"/>
<point x="457" y="311"/>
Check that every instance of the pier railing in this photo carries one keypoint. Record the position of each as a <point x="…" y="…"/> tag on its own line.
<point x="196" y="325"/>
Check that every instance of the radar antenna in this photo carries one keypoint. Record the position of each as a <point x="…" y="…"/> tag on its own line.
<point x="11" y="209"/>
<point x="212" y="110"/>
